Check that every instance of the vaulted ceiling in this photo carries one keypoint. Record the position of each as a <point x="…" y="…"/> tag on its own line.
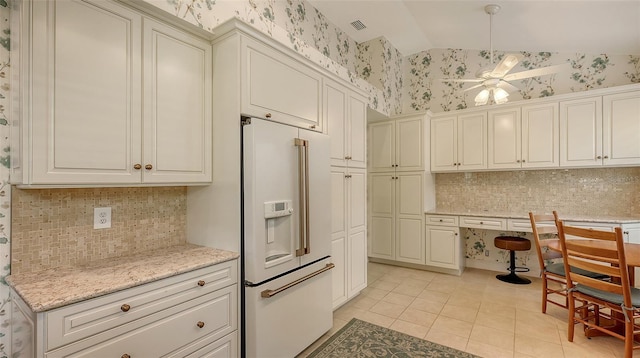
<point x="565" y="26"/>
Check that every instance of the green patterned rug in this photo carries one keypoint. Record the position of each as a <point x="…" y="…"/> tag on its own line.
<point x="362" y="339"/>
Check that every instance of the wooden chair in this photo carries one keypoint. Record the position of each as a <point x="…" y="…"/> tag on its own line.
<point x="543" y="224"/>
<point x="600" y="252"/>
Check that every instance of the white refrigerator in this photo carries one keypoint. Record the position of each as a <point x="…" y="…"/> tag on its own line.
<point x="286" y="238"/>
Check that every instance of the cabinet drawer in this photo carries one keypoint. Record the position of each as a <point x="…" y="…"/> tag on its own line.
<point x="520" y="225"/>
<point x="225" y="347"/>
<point x="477" y="222"/>
<point x="443" y="220"/>
<point x="77" y="321"/>
<point x="215" y="312"/>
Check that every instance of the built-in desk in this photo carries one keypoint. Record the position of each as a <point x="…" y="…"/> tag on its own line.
<point x="446" y="247"/>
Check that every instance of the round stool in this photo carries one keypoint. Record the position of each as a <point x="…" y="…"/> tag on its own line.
<point x="513" y="244"/>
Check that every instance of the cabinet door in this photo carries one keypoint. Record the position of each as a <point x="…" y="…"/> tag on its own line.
<point x="410" y="218"/>
<point x="357" y="258"/>
<point x="357" y="199"/>
<point x="177" y="106"/>
<point x="581" y="132"/>
<point x="338" y="202"/>
<point x="335" y="111"/>
<point x="621" y="129"/>
<point x="444" y="148"/>
<point x="443" y="246"/>
<point x="277" y="86"/>
<point x="472" y="144"/>
<point x="409" y="141"/>
<point x="357" y="132"/>
<point x="339" y="272"/>
<point x="382" y="146"/>
<point x="504" y="139"/>
<point x="86" y="93"/>
<point x="382" y="215"/>
<point x="540" y="136"/>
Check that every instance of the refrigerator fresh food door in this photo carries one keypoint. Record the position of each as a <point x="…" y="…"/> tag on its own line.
<point x="271" y="199"/>
<point x="296" y="315"/>
<point x="317" y="239"/>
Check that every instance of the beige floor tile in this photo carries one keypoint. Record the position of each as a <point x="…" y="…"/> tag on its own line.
<point x="383" y="284"/>
<point x="465" y="299"/>
<point x="410" y="328"/>
<point x="427" y="306"/>
<point x="452" y="326"/>
<point x="494" y="309"/>
<point x="409" y="289"/>
<point x="374" y="293"/>
<point x="466" y="314"/>
<point x="493" y="337"/>
<point x="498" y="322"/>
<point x="447" y="339"/>
<point x="399" y="299"/>
<point x="536" y="348"/>
<point x="418" y="317"/>
<point x="483" y="349"/>
<point x="375" y="318"/>
<point x="388" y="309"/>
<point x="347" y="312"/>
<point x="434" y="296"/>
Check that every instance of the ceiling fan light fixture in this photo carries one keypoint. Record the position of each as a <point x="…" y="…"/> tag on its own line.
<point x="500" y="96"/>
<point x="483" y="97"/>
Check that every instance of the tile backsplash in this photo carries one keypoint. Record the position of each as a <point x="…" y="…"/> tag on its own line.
<point x="54" y="227"/>
<point x="592" y="192"/>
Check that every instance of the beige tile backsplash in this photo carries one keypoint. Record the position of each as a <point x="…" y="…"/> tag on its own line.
<point x="54" y="227"/>
<point x="593" y="192"/>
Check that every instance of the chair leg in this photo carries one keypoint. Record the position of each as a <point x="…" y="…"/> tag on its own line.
<point x="628" y="338"/>
<point x="544" y="293"/>
<point x="571" y="321"/>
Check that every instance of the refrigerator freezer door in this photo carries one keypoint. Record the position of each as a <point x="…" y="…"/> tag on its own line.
<point x="270" y="169"/>
<point x="287" y="323"/>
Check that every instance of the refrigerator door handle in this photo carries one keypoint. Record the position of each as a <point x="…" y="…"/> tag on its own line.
<point x="303" y="184"/>
<point x="271" y="293"/>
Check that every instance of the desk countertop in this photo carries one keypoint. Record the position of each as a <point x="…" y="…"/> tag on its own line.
<point x="632" y="219"/>
<point x="45" y="290"/>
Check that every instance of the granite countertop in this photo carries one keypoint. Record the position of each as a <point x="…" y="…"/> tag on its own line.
<point x="45" y="290"/>
<point x="631" y="219"/>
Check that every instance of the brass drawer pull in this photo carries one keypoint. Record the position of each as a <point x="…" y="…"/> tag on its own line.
<point x="148" y="167"/>
<point x="125" y="356"/>
<point x="201" y="283"/>
<point x="200" y="324"/>
<point x="125" y="307"/>
<point x="137" y="167"/>
<point x="268" y="115"/>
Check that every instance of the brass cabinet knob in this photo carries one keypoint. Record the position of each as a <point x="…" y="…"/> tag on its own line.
<point x="517" y="160"/>
<point x="137" y="167"/>
<point x="201" y="283"/>
<point x="598" y="157"/>
<point x="148" y="167"/>
<point x="313" y="126"/>
<point x="125" y="356"/>
<point x="523" y="160"/>
<point x="268" y="115"/>
<point x="606" y="157"/>
<point x="200" y="324"/>
<point x="125" y="307"/>
<point x="348" y="157"/>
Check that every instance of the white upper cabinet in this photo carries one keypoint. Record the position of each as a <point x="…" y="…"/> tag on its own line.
<point x="459" y="142"/>
<point x="83" y="95"/>
<point x="277" y="87"/>
<point x="396" y="145"/>
<point x="621" y="129"/>
<point x="523" y="137"/>
<point x="581" y="132"/>
<point x="345" y="115"/>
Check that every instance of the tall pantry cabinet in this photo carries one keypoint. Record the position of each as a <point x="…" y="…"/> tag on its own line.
<point x="396" y="189"/>
<point x="344" y="112"/>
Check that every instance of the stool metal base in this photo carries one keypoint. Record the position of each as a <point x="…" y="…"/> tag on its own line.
<point x="513" y="278"/>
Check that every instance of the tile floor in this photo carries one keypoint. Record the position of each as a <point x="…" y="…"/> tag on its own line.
<point x="474" y="312"/>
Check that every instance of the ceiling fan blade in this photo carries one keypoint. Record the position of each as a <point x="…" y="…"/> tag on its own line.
<point x="508" y="87"/>
<point x="536" y="72"/>
<point x="461" y="80"/>
<point x="508" y="62"/>
<point x="472" y="87"/>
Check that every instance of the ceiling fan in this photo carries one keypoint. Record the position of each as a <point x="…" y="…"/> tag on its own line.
<point x="495" y="79"/>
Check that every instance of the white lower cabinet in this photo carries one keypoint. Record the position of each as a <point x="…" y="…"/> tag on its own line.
<point x="444" y="245"/>
<point x="188" y="315"/>
<point x="396" y="216"/>
<point x="349" y="239"/>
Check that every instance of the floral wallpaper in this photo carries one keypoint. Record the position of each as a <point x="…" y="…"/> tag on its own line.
<point x="423" y="74"/>
<point x="5" y="188"/>
<point x="380" y="64"/>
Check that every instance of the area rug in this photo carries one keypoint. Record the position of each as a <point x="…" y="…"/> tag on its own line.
<point x="362" y="339"/>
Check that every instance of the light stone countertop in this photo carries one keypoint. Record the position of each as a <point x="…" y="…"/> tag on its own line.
<point x="502" y="215"/>
<point x="45" y="290"/>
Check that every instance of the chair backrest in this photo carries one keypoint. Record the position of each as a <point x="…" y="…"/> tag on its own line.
<point x="598" y="252"/>
<point x="542" y="224"/>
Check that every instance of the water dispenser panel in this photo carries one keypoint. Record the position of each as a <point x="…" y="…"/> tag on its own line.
<point x="276" y="209"/>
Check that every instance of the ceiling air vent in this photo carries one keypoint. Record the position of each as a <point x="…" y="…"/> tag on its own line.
<point x="358" y="25"/>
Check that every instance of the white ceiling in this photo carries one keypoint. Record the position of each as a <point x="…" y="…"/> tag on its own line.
<point x="565" y="26"/>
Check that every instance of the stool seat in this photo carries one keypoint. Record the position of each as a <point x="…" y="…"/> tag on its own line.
<point x="513" y="244"/>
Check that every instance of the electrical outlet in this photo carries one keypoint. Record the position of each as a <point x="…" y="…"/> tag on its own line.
<point x="486" y="252"/>
<point x="102" y="218"/>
